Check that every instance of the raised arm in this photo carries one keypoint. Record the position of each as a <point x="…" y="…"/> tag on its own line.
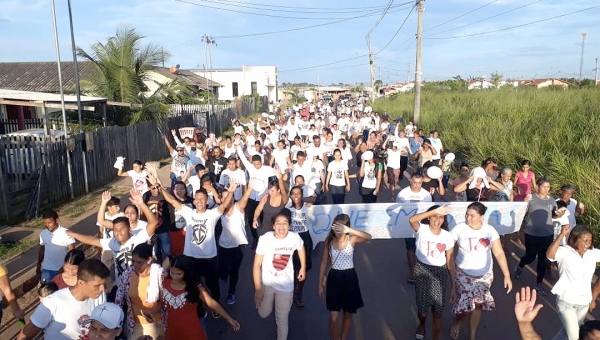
<point x="259" y="209"/>
<point x="525" y="311"/>
<point x="463" y="186"/>
<point x="106" y="196"/>
<point x="169" y="198"/>
<point x="177" y="140"/>
<point x="136" y="198"/>
<point x="361" y="236"/>
<point x="242" y="157"/>
<point x="225" y="203"/>
<point x="244" y="200"/>
<point x="85" y="239"/>
<point x="551" y="252"/>
<point x="415" y="220"/>
<point x="168" y="144"/>
<point x="284" y="194"/>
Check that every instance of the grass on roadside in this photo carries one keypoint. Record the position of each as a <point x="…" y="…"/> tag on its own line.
<point x="9" y="250"/>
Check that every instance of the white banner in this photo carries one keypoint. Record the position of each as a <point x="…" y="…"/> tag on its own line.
<point x="390" y="220"/>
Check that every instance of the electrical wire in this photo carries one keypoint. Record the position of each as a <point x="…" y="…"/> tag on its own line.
<point x="329" y="68"/>
<point x="397" y="31"/>
<point x="262" y="14"/>
<point x="326" y="64"/>
<point x="460" y="16"/>
<point x="478" y="21"/>
<point x="302" y="8"/>
<point x="381" y="17"/>
<point x="516" y="26"/>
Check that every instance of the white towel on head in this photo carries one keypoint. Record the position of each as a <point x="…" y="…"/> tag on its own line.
<point x="479" y="172"/>
<point x="153" y="289"/>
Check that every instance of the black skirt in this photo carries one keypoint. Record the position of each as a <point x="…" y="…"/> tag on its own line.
<point x="343" y="291"/>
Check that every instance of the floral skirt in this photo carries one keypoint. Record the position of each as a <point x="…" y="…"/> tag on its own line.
<point x="473" y="291"/>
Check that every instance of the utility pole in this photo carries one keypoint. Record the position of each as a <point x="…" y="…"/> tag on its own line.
<point x="371" y="65"/>
<point x="596" y="76"/>
<point x="78" y="93"/>
<point x="208" y="41"/>
<point x="583" y="39"/>
<point x="418" y="71"/>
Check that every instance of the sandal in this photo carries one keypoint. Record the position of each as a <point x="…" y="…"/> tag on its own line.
<point x="419" y="336"/>
<point x="454" y="332"/>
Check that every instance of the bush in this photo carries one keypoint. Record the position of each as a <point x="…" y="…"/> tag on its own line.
<point x="556" y="130"/>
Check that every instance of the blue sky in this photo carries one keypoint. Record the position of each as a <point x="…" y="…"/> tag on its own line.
<point x="549" y="48"/>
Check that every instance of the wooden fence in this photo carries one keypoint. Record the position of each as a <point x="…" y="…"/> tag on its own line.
<point x="34" y="170"/>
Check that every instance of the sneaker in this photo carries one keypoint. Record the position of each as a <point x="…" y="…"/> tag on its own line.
<point x="230" y="299"/>
<point x="540" y="290"/>
<point x="517" y="272"/>
<point x="216" y="315"/>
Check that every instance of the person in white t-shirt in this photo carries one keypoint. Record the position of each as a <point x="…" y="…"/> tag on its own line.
<point x="200" y="240"/>
<point x="476" y="241"/>
<point x="393" y="167"/>
<point x="281" y="157"/>
<point x="237" y="174"/>
<point x="65" y="314"/>
<point x="232" y="238"/>
<point x="54" y="245"/>
<point x="436" y="143"/>
<point x="435" y="247"/>
<point x="273" y="271"/>
<point x="338" y="180"/>
<point x="413" y="193"/>
<point x="124" y="239"/>
<point x="138" y="176"/>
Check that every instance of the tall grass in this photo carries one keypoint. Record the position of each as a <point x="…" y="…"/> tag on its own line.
<point x="558" y="131"/>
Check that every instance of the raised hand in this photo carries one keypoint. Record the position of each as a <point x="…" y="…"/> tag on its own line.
<point x="232" y="185"/>
<point x="106" y="196"/>
<point x="136" y="197"/>
<point x="173" y="132"/>
<point x="525" y="308"/>
<point x="340" y="228"/>
<point x="443" y="210"/>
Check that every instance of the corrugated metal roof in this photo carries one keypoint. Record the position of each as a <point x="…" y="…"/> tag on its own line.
<point x="44" y="97"/>
<point x="41" y="76"/>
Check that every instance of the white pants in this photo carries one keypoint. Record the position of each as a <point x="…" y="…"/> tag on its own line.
<point x="283" y="304"/>
<point x="571" y="316"/>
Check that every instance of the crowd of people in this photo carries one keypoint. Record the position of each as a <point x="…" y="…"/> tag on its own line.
<point x="167" y="254"/>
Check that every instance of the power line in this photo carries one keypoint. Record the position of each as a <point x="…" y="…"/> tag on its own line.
<point x="397" y="31"/>
<point x="327" y="64"/>
<point x="295" y="9"/>
<point x="329" y="68"/>
<point x="516" y="26"/>
<point x="381" y="17"/>
<point x="478" y="21"/>
<point x="301" y="8"/>
<point x="460" y="16"/>
<point x="252" y="13"/>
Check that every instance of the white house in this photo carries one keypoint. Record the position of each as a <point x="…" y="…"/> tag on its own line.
<point x="479" y="84"/>
<point x="244" y="81"/>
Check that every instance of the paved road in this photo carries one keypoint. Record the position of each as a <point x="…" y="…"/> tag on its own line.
<point x="390" y="310"/>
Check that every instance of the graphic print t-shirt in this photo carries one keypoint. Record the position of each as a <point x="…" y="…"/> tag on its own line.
<point x="179" y="221"/>
<point x="122" y="252"/>
<point x="277" y="264"/>
<point x="299" y="218"/>
<point x="139" y="180"/>
<point x="431" y="248"/>
<point x="200" y="233"/>
<point x="337" y="173"/>
<point x="474" y="248"/>
<point x="63" y="317"/>
<point x="159" y="206"/>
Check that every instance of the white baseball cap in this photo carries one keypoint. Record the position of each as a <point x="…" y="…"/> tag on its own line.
<point x="108" y="314"/>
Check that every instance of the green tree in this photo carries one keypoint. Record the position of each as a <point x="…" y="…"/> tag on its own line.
<point x="378" y="84"/>
<point x="122" y="65"/>
<point x="496" y="78"/>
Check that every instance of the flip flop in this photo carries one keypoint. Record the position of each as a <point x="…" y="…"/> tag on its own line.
<point x="419" y="336"/>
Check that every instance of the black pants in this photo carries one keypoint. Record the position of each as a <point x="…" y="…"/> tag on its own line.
<point x="368" y="196"/>
<point x="536" y="246"/>
<point x="207" y="269"/>
<point x="250" y="209"/>
<point x="230" y="261"/>
<point x="403" y="166"/>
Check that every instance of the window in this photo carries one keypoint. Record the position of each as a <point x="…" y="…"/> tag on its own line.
<point x="234" y="86"/>
<point x="253" y="87"/>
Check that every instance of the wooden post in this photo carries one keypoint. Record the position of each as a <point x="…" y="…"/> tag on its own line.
<point x="46" y="121"/>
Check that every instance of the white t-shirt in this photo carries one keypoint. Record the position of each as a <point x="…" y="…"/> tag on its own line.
<point x="180" y="221"/>
<point x="240" y="178"/>
<point x="337" y="170"/>
<point x="313" y="151"/>
<point x="277" y="265"/>
<point x="300" y="220"/>
<point x="474" y="255"/>
<point x="343" y="124"/>
<point x="55" y="244"/>
<point x="108" y="233"/>
<point x="234" y="231"/>
<point x="330" y="147"/>
<point x="437" y="145"/>
<point x="180" y="164"/>
<point x="370" y="179"/>
<point x="139" y="180"/>
<point x="63" y="317"/>
<point x="393" y="159"/>
<point x="431" y="248"/>
<point x="576" y="273"/>
<point x="122" y="252"/>
<point x="194" y="181"/>
<point x="315" y="169"/>
<point x="200" y="232"/>
<point x="281" y="158"/>
<point x="303" y="170"/>
<point x="406" y="195"/>
<point x="228" y="151"/>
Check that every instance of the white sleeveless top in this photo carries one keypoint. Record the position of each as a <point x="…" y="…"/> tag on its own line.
<point x="234" y="231"/>
<point x="342" y="259"/>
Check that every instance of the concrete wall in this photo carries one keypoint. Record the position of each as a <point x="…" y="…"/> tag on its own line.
<point x="264" y="76"/>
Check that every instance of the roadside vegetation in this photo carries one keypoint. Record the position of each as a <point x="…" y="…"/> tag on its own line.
<point x="558" y="131"/>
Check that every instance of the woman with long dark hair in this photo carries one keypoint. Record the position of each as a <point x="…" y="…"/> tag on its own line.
<point x="183" y="297"/>
<point x="435" y="248"/>
<point x="340" y="285"/>
<point x="371" y="174"/>
<point x="270" y="205"/>
<point x="338" y="180"/>
<point x="68" y="274"/>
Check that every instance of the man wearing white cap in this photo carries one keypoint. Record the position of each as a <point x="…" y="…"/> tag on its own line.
<point x="106" y="322"/>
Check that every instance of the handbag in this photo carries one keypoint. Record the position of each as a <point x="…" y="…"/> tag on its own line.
<point x="332" y="263"/>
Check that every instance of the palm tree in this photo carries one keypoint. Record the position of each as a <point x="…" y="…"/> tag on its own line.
<point x="122" y="65"/>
